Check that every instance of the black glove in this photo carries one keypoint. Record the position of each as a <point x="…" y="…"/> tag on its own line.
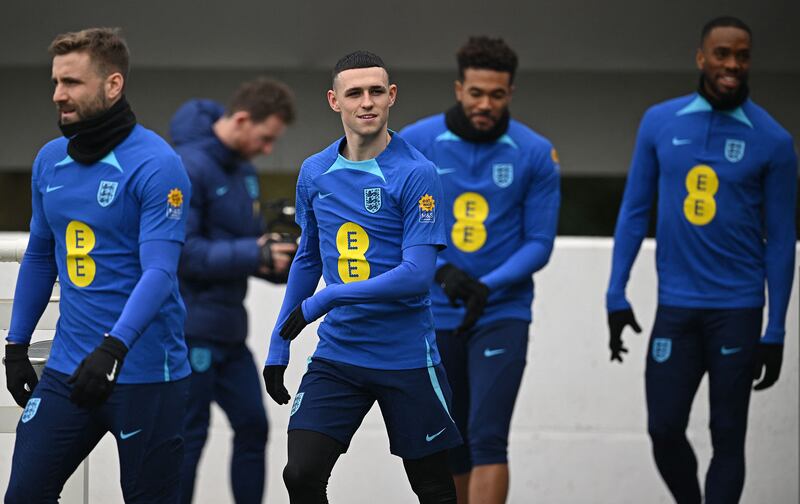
<point x="20" y="376"/>
<point x="294" y="324"/>
<point x="617" y="320"/>
<point x="273" y="379"/>
<point x="454" y="282"/>
<point x="476" y="302"/>
<point x="97" y="373"/>
<point x="769" y="356"/>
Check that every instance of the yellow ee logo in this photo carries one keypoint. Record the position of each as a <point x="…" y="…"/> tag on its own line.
<point x="702" y="184"/>
<point x="470" y="211"/>
<point x="80" y="241"/>
<point x="352" y="242"/>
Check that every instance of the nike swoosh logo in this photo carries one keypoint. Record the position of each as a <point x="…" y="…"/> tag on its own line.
<point x="126" y="435"/>
<point x="444" y="171"/>
<point x="730" y="351"/>
<point x="221" y="190"/>
<point x="323" y="196"/>
<point x="681" y="141"/>
<point x="53" y="188"/>
<point x="491" y="353"/>
<point x="430" y="437"/>
<point x="110" y="375"/>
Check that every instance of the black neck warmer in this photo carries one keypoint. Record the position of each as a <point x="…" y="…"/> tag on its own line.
<point x="92" y="139"/>
<point x="724" y="103"/>
<point x="458" y="122"/>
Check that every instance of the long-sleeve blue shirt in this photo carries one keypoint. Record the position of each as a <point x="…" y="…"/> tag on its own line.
<point x="501" y="210"/>
<point x="726" y="183"/>
<point x="360" y="220"/>
<point x="112" y="231"/>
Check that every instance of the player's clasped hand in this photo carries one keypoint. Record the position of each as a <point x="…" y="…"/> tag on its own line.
<point x="20" y="376"/>
<point x="97" y="374"/>
<point x="475" y="303"/>
<point x="460" y="288"/>
<point x="295" y="323"/>
<point x="617" y="320"/>
<point x="769" y="358"/>
<point x="273" y="379"/>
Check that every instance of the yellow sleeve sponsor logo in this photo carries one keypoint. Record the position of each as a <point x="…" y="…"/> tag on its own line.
<point x="80" y="241"/>
<point x="702" y="184"/>
<point x="352" y="242"/>
<point x="554" y="155"/>
<point x="174" y="204"/>
<point x="470" y="211"/>
<point x="427" y="205"/>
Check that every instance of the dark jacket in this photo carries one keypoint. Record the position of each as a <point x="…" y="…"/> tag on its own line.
<point x="223" y="225"/>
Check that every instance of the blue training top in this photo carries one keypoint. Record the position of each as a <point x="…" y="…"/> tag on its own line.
<point x="726" y="184"/>
<point x="359" y="217"/>
<point x="98" y="215"/>
<point x="502" y="200"/>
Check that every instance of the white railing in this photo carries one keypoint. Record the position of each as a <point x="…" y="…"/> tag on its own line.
<point x="11" y="251"/>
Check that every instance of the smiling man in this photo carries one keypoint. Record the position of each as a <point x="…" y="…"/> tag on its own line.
<point x="108" y="219"/>
<point x="726" y="175"/>
<point x="501" y="188"/>
<point x="369" y="209"/>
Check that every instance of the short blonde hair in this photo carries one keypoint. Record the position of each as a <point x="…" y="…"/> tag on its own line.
<point x="105" y="47"/>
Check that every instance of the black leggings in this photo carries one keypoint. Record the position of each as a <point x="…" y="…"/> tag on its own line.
<point x="312" y="456"/>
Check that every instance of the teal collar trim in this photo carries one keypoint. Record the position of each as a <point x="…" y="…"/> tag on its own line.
<point x="110" y="159"/>
<point x="700" y="104"/>
<point x="368" y="166"/>
<point x="505" y="139"/>
<point x="740" y="116"/>
<point x="448" y="136"/>
<point x="67" y="160"/>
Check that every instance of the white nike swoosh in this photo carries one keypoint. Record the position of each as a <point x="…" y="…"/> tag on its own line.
<point x="53" y="188"/>
<point x="110" y="375"/>
<point x="323" y="196"/>
<point x="491" y="353"/>
<point x="681" y="141"/>
<point x="444" y="171"/>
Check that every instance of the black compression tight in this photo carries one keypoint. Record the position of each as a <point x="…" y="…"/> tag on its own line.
<point x="312" y="456"/>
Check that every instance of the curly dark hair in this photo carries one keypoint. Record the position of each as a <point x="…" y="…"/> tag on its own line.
<point x="487" y="53"/>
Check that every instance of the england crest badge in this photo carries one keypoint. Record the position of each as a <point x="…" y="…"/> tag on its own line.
<point x="106" y="192"/>
<point x="30" y="409"/>
<point x="298" y="400"/>
<point x="503" y="174"/>
<point x="662" y="349"/>
<point x="734" y="150"/>
<point x="372" y="199"/>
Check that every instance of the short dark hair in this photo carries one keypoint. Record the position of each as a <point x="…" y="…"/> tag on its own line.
<point x="487" y="53"/>
<point x="724" y="22"/>
<point x="263" y="97"/>
<point x="105" y="47"/>
<point x="358" y="59"/>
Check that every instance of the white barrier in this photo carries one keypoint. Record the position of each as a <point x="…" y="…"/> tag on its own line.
<point x="579" y="429"/>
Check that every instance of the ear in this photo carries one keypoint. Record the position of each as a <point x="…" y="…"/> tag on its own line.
<point x="458" y="87"/>
<point x="240" y="117"/>
<point x="334" y="105"/>
<point x="392" y="94"/>
<point x="114" y="85"/>
<point x="700" y="58"/>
